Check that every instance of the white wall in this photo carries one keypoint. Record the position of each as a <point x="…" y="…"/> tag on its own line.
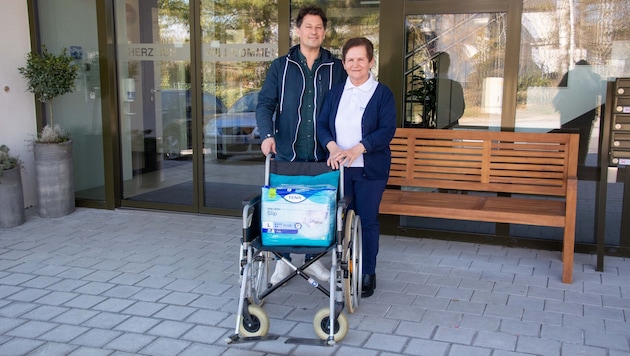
<point x="17" y="106"/>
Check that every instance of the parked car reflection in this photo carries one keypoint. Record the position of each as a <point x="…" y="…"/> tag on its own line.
<point x="235" y="132"/>
<point x="177" y="120"/>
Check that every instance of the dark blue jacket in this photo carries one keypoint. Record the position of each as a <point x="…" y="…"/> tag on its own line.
<point x="282" y="93"/>
<point x="378" y="126"/>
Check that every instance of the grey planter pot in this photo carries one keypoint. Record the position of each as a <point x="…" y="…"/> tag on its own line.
<point x="55" y="179"/>
<point x="11" y="198"/>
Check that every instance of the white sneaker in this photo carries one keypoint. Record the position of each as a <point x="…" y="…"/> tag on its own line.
<point x="282" y="270"/>
<point x="318" y="271"/>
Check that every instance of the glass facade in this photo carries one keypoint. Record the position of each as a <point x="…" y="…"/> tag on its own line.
<point x="569" y="49"/>
<point x="71" y="24"/>
<point x="188" y="73"/>
<point x="155" y="100"/>
<point x="235" y="52"/>
<point x="454" y="65"/>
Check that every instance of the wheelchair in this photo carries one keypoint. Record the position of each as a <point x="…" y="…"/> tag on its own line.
<point x="343" y="287"/>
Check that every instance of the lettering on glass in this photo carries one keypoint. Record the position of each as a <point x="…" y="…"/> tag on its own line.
<point x="210" y="52"/>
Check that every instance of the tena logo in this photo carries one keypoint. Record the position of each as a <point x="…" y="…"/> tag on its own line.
<point x="294" y="198"/>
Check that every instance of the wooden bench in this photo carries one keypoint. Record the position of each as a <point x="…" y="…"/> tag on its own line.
<point x="508" y="177"/>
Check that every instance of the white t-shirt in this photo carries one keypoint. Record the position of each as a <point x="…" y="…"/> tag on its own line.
<point x="350" y="113"/>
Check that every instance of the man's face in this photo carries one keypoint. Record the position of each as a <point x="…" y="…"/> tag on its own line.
<point x="312" y="32"/>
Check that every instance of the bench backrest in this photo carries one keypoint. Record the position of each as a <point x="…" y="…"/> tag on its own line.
<point x="507" y="162"/>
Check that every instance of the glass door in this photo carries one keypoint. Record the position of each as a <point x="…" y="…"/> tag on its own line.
<point x="453" y="68"/>
<point x="153" y="43"/>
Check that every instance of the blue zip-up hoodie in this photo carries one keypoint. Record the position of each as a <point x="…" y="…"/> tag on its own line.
<point x="282" y="94"/>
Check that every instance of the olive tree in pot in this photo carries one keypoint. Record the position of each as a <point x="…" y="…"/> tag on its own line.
<point x="49" y="76"/>
<point x="11" y="192"/>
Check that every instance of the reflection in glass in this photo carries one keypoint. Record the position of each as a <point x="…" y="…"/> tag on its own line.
<point x="155" y="101"/>
<point x="568" y="51"/>
<point x="454" y="70"/>
<point x="78" y="112"/>
<point x="236" y="53"/>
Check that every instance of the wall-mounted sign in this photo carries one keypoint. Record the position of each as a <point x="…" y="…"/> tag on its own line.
<point x="210" y="52"/>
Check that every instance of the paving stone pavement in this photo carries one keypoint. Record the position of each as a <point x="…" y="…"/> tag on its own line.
<point x="123" y="282"/>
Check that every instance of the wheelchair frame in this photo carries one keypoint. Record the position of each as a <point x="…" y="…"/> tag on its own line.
<point x="344" y="285"/>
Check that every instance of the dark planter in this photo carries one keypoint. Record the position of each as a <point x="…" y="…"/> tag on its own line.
<point x="55" y="179"/>
<point x="11" y="198"/>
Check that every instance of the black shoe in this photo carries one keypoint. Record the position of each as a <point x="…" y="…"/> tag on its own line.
<point x="369" y="283"/>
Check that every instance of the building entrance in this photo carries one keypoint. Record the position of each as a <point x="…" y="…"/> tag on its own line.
<point x="189" y="74"/>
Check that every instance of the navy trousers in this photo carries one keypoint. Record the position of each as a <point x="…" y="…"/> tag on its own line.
<point x="366" y="198"/>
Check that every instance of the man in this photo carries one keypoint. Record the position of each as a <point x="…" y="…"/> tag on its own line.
<point x="294" y="91"/>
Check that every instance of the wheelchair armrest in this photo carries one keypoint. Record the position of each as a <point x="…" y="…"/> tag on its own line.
<point x="252" y="200"/>
<point x="344" y="202"/>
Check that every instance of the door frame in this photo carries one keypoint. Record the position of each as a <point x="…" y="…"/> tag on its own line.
<point x="392" y="44"/>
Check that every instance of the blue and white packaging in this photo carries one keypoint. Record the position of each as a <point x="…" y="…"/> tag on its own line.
<point x="295" y="215"/>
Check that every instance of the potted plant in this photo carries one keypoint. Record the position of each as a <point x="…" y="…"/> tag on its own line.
<point x="11" y="192"/>
<point x="49" y="76"/>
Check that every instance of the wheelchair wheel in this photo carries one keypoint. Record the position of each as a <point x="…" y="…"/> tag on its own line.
<point x="351" y="254"/>
<point x="259" y="277"/>
<point x="321" y="324"/>
<point x="259" y="324"/>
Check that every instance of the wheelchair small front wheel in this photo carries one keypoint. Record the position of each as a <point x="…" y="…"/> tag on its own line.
<point x="257" y="326"/>
<point x="321" y="324"/>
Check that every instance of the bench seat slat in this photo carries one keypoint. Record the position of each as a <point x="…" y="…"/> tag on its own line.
<point x="540" y="212"/>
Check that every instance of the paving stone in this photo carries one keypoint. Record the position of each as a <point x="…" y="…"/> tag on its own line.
<point x="106" y="320"/>
<point x="53" y="348"/>
<point x="144" y="308"/>
<point x="96" y="338"/>
<point x="150" y="294"/>
<point x="44" y="312"/>
<point x="209" y="317"/>
<point x="170" y="329"/>
<point x="95" y="288"/>
<point x="121" y="291"/>
<point x="129" y="342"/>
<point x="386" y="342"/>
<point x="175" y="312"/>
<point x="15" y="309"/>
<point x="15" y="279"/>
<point x="205" y="334"/>
<point x="64" y="333"/>
<point x="179" y="298"/>
<point x="40" y="282"/>
<point x="57" y="298"/>
<point x="19" y="346"/>
<point x="155" y="282"/>
<point x="67" y="285"/>
<point x="495" y="340"/>
<point x="137" y="324"/>
<point x="424" y="347"/>
<point x="454" y="335"/>
<point x="165" y="347"/>
<point x="31" y="329"/>
<point x="538" y="346"/>
<point x="7" y="324"/>
<point x="464" y="350"/>
<point x="604" y="340"/>
<point x="75" y="316"/>
<point x="84" y="301"/>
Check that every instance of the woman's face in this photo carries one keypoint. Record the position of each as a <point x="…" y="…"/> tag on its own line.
<point x="357" y="65"/>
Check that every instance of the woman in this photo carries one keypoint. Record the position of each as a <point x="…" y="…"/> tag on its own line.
<point x="356" y="125"/>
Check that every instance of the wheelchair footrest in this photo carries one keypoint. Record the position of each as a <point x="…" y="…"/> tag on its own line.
<point x="307" y="341"/>
<point x="237" y="339"/>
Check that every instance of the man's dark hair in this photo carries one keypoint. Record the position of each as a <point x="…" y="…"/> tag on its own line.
<point x="311" y="10"/>
<point x="358" y="42"/>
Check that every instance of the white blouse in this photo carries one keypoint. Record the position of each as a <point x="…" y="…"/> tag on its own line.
<point x="350" y="114"/>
